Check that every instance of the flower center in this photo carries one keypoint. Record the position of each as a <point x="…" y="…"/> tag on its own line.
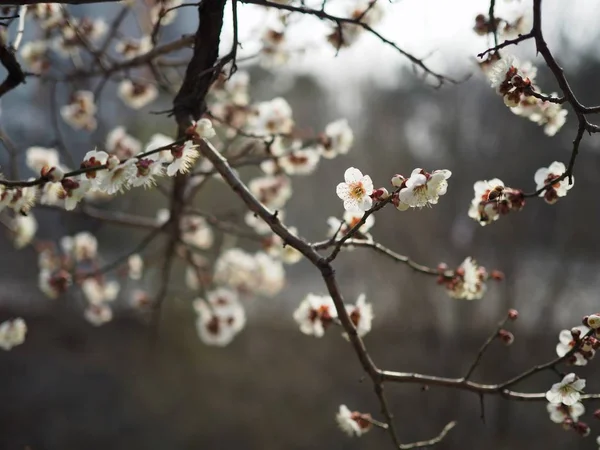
<point x="357" y="190"/>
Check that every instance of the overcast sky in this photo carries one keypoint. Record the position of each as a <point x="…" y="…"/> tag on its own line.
<point x="441" y="29"/>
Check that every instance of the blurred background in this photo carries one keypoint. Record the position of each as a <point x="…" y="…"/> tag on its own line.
<point x="74" y="386"/>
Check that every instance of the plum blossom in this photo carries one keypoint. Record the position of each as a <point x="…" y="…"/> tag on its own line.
<point x="119" y="178"/>
<point x="220" y="317"/>
<point x="423" y="189"/>
<point x="567" y="392"/>
<point x="492" y="199"/>
<point x="274" y="52"/>
<point x="147" y="168"/>
<point x="130" y="48"/>
<point x="34" y="55"/>
<point x="137" y="94"/>
<point x="586" y="345"/>
<point x="559" y="413"/>
<point x="73" y="190"/>
<point x="544" y="176"/>
<point x="314" y="314"/>
<point x="349" y="221"/>
<point x="82" y="246"/>
<point x="276" y="247"/>
<point x="165" y="10"/>
<point x="184" y="157"/>
<point x="121" y="144"/>
<point x="80" y="113"/>
<point x="23" y="229"/>
<point x="353" y="423"/>
<point x="468" y="281"/>
<point x="12" y="333"/>
<point x="356" y="191"/>
<point x="336" y="140"/>
<point x="361" y="315"/>
<point x="271" y="117"/>
<point x="99" y="292"/>
<point x="195" y="231"/>
<point x="271" y="191"/>
<point x="551" y="115"/>
<point x="202" y="129"/>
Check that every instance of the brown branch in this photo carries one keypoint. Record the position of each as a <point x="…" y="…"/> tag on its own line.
<point x="321" y="14"/>
<point x="484" y="347"/>
<point x="15" y="75"/>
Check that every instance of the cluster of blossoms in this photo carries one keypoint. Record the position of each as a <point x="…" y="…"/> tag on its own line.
<point x="493" y="199"/>
<point x="516" y="82"/>
<point x="417" y="191"/>
<point x="577" y="338"/>
<point x="12" y="333"/>
<point x="220" y="317"/>
<point x="564" y="406"/>
<point x="353" y="423"/>
<point x="316" y="312"/>
<point x="103" y="173"/>
<point x="76" y="261"/>
<point x="506" y="29"/>
<point x="342" y="227"/>
<point x="467" y="281"/>
<point x="544" y="176"/>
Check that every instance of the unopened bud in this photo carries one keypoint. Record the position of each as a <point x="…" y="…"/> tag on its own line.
<point x="582" y="428"/>
<point x="112" y="162"/>
<point x="52" y="173"/>
<point x="576" y="333"/>
<point x="513" y="314"/>
<point x="506" y="336"/>
<point x="497" y="275"/>
<point x="593" y="321"/>
<point x="597" y="414"/>
<point x="380" y="194"/>
<point x="398" y="181"/>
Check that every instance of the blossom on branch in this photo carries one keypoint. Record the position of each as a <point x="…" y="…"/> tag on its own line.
<point x="337" y="139"/>
<point x="353" y="423"/>
<point x="220" y="317"/>
<point x="355" y="191"/>
<point x="361" y="315"/>
<point x="561" y="413"/>
<point x="567" y="392"/>
<point x="544" y="176"/>
<point x="80" y="112"/>
<point x="422" y="188"/>
<point x="468" y="281"/>
<point x="493" y="199"/>
<point x="314" y="314"/>
<point x="137" y="94"/>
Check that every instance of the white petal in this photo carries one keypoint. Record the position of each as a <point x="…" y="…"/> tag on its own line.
<point x="352" y="175"/>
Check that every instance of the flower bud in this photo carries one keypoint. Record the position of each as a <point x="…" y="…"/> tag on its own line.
<point x="52" y="173"/>
<point x="506" y="336"/>
<point x="497" y="275"/>
<point x="398" y="181"/>
<point x="513" y="314"/>
<point x="597" y="414"/>
<point x="112" y="162"/>
<point x="593" y="321"/>
<point x="380" y="194"/>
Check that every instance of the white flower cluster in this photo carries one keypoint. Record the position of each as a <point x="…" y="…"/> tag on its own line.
<point x="515" y="82"/>
<point x="577" y="338"/>
<point x="220" y="317"/>
<point x="468" y="281"/>
<point x="317" y="312"/>
<point x="564" y="404"/>
<point x="492" y="199"/>
<point x="12" y="333"/>
<point x="544" y="176"/>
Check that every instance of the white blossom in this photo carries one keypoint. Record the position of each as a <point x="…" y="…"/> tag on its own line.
<point x="184" y="157"/>
<point x="80" y="113"/>
<point x="121" y="144"/>
<point x="271" y="117"/>
<point x="118" y="179"/>
<point x="545" y="175"/>
<point x="220" y="317"/>
<point x="567" y="392"/>
<point x="361" y="315"/>
<point x="135" y="265"/>
<point x="468" y="282"/>
<point x="38" y="157"/>
<point x="566" y="342"/>
<point x="355" y="191"/>
<point x="136" y="95"/>
<point x="352" y="423"/>
<point x="481" y="209"/>
<point x="314" y="314"/>
<point x="337" y="139"/>
<point x="559" y="413"/>
<point x="423" y="189"/>
<point x="164" y="10"/>
<point x="12" y="333"/>
<point x="271" y="191"/>
<point x="130" y="48"/>
<point x="33" y="54"/>
<point x="24" y="229"/>
<point x="195" y="231"/>
<point x="147" y="168"/>
<point x="100" y="292"/>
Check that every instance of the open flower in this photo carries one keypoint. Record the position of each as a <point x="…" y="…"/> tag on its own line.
<point x="121" y="144"/>
<point x="559" y="413"/>
<point x="544" y="176"/>
<point x="271" y="117"/>
<point x="136" y="94"/>
<point x="336" y="140"/>
<point x="80" y="113"/>
<point x="130" y="48"/>
<point x="271" y="191"/>
<point x="73" y="190"/>
<point x="567" y="392"/>
<point x="24" y="229"/>
<point x="568" y="339"/>
<point x="353" y="423"/>
<point x="147" y="168"/>
<point x="350" y="220"/>
<point x="361" y="315"/>
<point x="423" y="189"/>
<point x="356" y="191"/>
<point x="468" y="281"/>
<point x="12" y="333"/>
<point x="98" y="314"/>
<point x="220" y="317"/>
<point x="119" y="178"/>
<point x="184" y="157"/>
<point x="314" y="314"/>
